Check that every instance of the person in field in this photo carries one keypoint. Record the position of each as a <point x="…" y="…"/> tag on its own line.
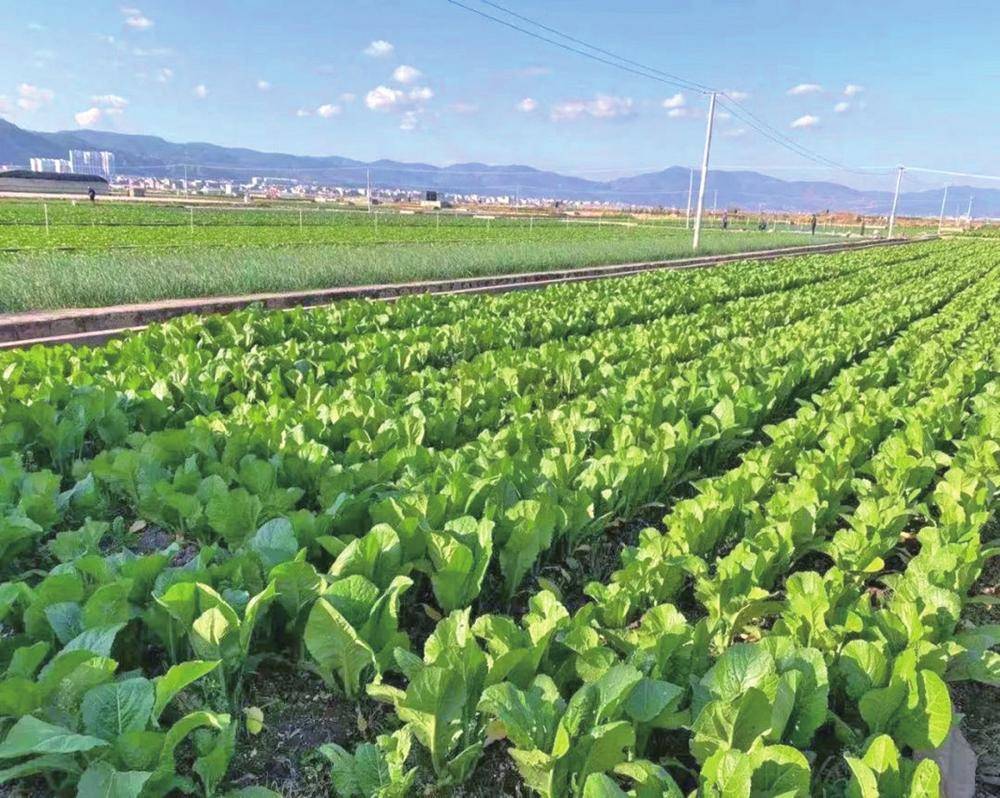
<point x="812" y="225"/>
<point x="92" y="194"/>
<point x="725" y="220"/>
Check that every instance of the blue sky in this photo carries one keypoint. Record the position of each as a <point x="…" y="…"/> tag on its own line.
<point x="425" y="80"/>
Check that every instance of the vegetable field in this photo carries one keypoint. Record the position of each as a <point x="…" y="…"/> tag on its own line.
<point x="710" y="533"/>
<point x="59" y="255"/>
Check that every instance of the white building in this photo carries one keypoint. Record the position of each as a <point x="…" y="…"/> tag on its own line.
<point x="92" y="162"/>
<point x="57" y="165"/>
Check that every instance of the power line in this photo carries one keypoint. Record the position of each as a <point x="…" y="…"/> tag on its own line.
<point x="678" y="83"/>
<point x="698" y="87"/>
<point x="953" y="174"/>
<point x="646" y="71"/>
<point x="768" y="131"/>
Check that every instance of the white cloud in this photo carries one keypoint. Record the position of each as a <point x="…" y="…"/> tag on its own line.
<point x="735" y="133"/>
<point x="384" y="98"/>
<point x="603" y="106"/>
<point x="808" y="120"/>
<point x="409" y="104"/>
<point x="379" y="49"/>
<point x="527" y="105"/>
<point x="135" y="19"/>
<point x="164" y="75"/>
<point x="88" y="118"/>
<point x="405" y="74"/>
<point x="533" y="72"/>
<point x="736" y="94"/>
<point x="109" y="101"/>
<point x="464" y="108"/>
<point x="677" y="101"/>
<point x="5" y="106"/>
<point x="31" y="97"/>
<point x="842" y="107"/>
<point x="348" y="97"/>
<point x="805" y="88"/>
<point x="677" y="113"/>
<point x="200" y="91"/>
<point x="152" y="52"/>
<point x="263" y="85"/>
<point x="409" y="121"/>
<point x="303" y="112"/>
<point x="852" y="89"/>
<point x="36" y="26"/>
<point x="327" y="110"/>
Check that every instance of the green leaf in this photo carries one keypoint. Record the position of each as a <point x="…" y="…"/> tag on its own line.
<point x="211" y="768"/>
<point x="176" y="679"/>
<point x="433" y="706"/>
<point x="336" y="646"/>
<point x="342" y="770"/>
<point x="275" y="543"/>
<point x="780" y="770"/>
<point x="110" y="710"/>
<point x="97" y="640"/>
<point x="600" y="786"/>
<point x="233" y="515"/>
<point x="650" y="698"/>
<point x="108" y="604"/>
<point x="64" y="763"/>
<point x="926" y="780"/>
<point x="928" y="716"/>
<point x="32" y="736"/>
<point x="864" y="782"/>
<point x="66" y="620"/>
<point x="101" y="780"/>
<point x="741" y="667"/>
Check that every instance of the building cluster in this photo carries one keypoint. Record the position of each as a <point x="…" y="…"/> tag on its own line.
<point x="96" y="163"/>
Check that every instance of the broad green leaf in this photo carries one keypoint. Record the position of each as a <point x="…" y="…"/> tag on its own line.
<point x="275" y="543"/>
<point x="110" y="710"/>
<point x="62" y="763"/>
<point x="780" y="770"/>
<point x="926" y="780"/>
<point x="336" y="646"/>
<point x="600" y="786"/>
<point x="176" y="679"/>
<point x="32" y="736"/>
<point x="101" y="780"/>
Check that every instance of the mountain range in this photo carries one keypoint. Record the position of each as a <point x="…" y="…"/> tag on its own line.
<point x="154" y="156"/>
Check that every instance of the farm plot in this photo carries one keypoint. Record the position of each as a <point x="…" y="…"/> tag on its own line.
<point x="711" y="532"/>
<point x="115" y="254"/>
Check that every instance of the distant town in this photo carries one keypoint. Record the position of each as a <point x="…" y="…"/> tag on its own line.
<point x="62" y="175"/>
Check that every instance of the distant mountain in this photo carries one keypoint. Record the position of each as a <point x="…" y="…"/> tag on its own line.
<point x="154" y="156"/>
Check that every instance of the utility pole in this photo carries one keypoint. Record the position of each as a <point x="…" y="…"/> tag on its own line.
<point x="368" y="190"/>
<point x="944" y="199"/>
<point x="895" y="202"/>
<point x="715" y="201"/>
<point x="968" y="214"/>
<point x="687" y="216"/>
<point x="704" y="171"/>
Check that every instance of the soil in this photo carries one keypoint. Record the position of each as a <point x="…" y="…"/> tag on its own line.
<point x="300" y="715"/>
<point x="980" y="703"/>
<point x="150" y="540"/>
<point x="495" y="776"/>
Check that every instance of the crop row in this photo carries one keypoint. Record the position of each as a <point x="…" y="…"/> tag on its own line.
<point x="177" y="506"/>
<point x="759" y="702"/>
